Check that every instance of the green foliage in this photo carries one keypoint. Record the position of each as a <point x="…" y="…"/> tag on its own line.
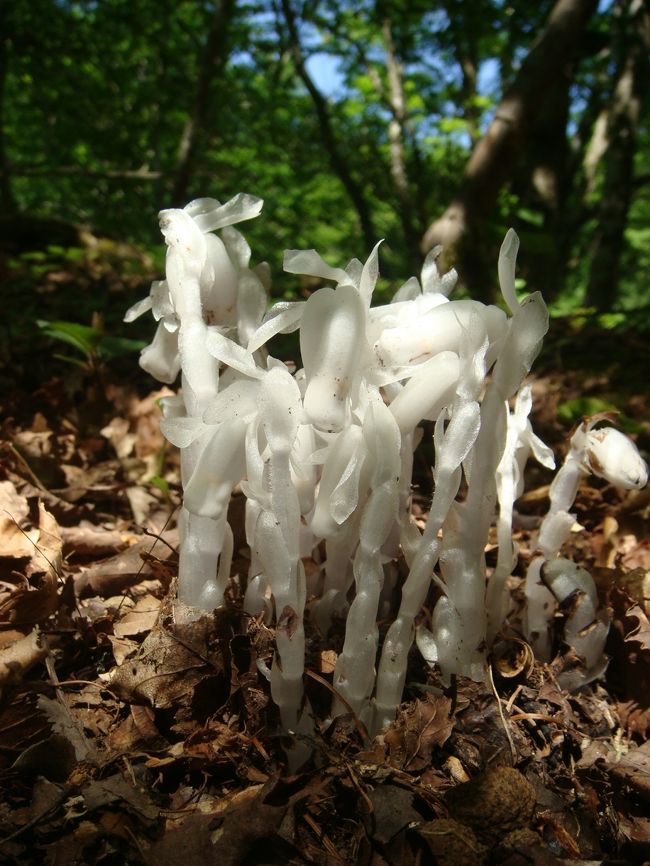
<point x="98" y="96"/>
<point x="573" y="411"/>
<point x="92" y="343"/>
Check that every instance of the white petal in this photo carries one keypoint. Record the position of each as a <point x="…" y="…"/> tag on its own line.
<point x="408" y="292"/>
<point x="310" y="263"/>
<point x="235" y="356"/>
<point x="201" y="206"/>
<point x="182" y="431"/>
<point x="161" y="359"/>
<point x="370" y="274"/>
<point x="238" y="247"/>
<point x="238" y="400"/>
<point x="220" y="466"/>
<point x="430" y="274"/>
<point x="283" y="318"/>
<point x="280" y="409"/>
<point x="138" y="309"/>
<point x="507" y="265"/>
<point x="241" y="207"/>
<point x="332" y="342"/>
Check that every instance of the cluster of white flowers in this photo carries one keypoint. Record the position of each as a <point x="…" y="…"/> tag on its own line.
<point x="325" y="456"/>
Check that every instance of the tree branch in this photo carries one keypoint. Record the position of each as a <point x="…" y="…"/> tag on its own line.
<point x="214" y="60"/>
<point x="495" y="156"/>
<point x="337" y="160"/>
<point x="18" y="170"/>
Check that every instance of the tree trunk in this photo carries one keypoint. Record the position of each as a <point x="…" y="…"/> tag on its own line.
<point x="545" y="188"/>
<point x="213" y="62"/>
<point x="397" y="149"/>
<point x="618" y="146"/>
<point x="493" y="160"/>
<point x="337" y="160"/>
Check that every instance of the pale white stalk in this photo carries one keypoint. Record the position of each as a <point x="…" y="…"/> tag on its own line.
<point x="607" y="453"/>
<point x="520" y="442"/>
<point x="452" y="446"/>
<point x="586" y="626"/>
<point x="451" y="449"/>
<point x="354" y="675"/>
<point x="459" y="618"/>
<point x="280" y="410"/>
<point x="200" y="536"/>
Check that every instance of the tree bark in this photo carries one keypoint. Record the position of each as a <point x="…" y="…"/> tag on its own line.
<point x="213" y="63"/>
<point x="618" y="147"/>
<point x="544" y="187"/>
<point x="396" y="144"/>
<point x="493" y="160"/>
<point x="337" y="160"/>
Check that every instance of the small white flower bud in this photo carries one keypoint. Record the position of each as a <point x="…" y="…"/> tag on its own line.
<point x="612" y="456"/>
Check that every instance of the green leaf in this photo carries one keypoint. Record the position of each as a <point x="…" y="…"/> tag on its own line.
<point x="89" y="341"/>
<point x="114" y="347"/>
<point x="82" y="337"/>
<point x="161" y="484"/>
<point x="68" y="360"/>
<point x="573" y="411"/>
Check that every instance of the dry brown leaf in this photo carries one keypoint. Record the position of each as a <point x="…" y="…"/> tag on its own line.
<point x="15" y="541"/>
<point x="122" y="648"/>
<point x="452" y="843"/>
<point x="224" y="837"/>
<point x="20" y="656"/>
<point x="633" y="769"/>
<point x="140" y="619"/>
<point x="127" y="568"/>
<point x="34" y="595"/>
<point x="116" y="790"/>
<point x="85" y="539"/>
<point x="173" y="659"/>
<point x="392" y="811"/>
<point x="142" y="503"/>
<point x="418" y="730"/>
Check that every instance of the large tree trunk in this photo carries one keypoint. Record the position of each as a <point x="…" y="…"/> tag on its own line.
<point x="396" y="145"/>
<point x="7" y="201"/>
<point x="213" y="62"/>
<point x="494" y="159"/>
<point x="337" y="160"/>
<point x="616" y="148"/>
<point x="544" y="187"/>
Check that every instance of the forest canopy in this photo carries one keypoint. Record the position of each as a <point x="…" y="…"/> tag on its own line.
<point x="415" y="122"/>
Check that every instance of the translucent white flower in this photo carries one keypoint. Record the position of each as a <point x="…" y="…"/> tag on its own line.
<point x="219" y="264"/>
<point x="611" y="455"/>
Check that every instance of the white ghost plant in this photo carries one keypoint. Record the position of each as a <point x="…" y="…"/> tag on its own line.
<point x="325" y="459"/>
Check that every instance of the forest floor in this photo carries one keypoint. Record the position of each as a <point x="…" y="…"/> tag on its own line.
<point x="128" y="737"/>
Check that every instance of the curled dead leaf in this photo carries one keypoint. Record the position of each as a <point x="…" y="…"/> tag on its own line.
<point x="513" y="659"/>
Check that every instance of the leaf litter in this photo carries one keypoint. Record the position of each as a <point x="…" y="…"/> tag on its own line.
<point x="131" y="735"/>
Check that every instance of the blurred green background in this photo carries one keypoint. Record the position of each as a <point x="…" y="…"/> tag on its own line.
<point x="414" y="121"/>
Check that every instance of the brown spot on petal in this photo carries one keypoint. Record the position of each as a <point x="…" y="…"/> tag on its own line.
<point x="288" y="621"/>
